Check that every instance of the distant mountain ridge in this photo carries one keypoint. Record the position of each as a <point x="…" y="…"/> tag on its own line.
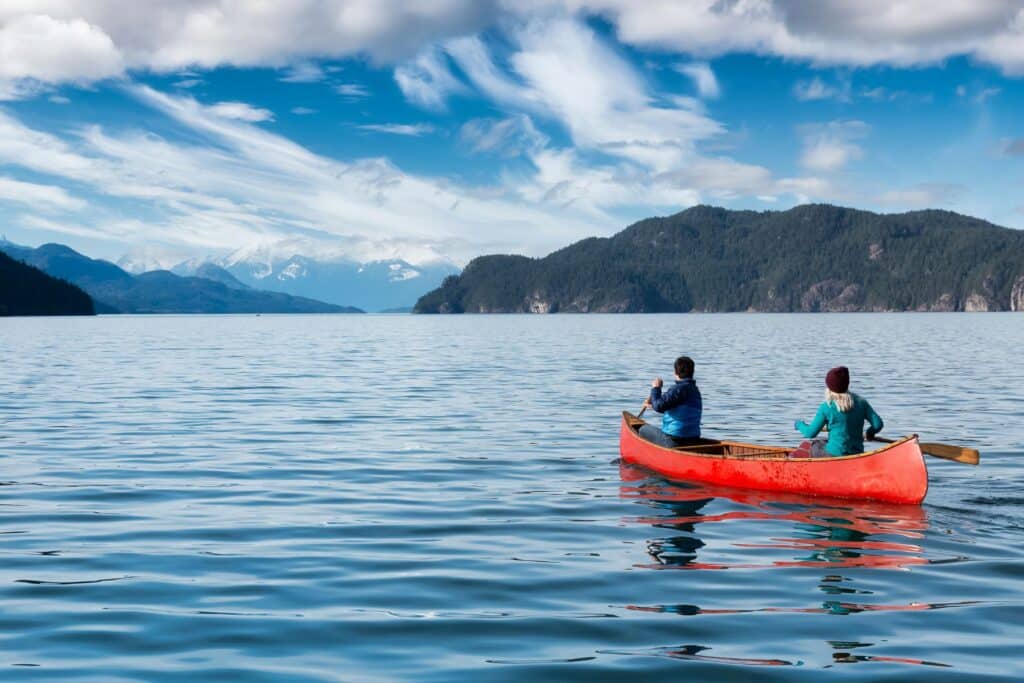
<point x="374" y="285"/>
<point x="810" y="258"/>
<point x="116" y="291"/>
<point x="25" y="290"/>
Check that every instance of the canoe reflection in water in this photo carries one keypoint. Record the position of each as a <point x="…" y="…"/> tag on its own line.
<point x="819" y="532"/>
<point x="778" y="531"/>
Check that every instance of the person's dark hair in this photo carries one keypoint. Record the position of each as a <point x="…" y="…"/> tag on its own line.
<point x="684" y="366"/>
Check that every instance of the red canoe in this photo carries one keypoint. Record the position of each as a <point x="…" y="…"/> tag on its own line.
<point x="895" y="473"/>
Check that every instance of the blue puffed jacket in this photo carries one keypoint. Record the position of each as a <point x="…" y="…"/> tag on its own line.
<point x="682" y="407"/>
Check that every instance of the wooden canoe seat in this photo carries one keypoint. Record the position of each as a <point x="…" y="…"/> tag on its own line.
<point x="734" y="449"/>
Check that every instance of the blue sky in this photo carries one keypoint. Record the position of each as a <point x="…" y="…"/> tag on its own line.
<point x="442" y="130"/>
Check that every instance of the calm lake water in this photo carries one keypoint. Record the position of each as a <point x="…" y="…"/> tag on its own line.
<point x="360" y="498"/>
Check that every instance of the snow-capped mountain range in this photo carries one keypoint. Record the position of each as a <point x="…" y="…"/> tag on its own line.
<point x="333" y="275"/>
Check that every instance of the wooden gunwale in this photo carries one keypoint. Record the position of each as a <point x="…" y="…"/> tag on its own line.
<point x="635" y="423"/>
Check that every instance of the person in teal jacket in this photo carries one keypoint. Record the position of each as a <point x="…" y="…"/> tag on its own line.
<point x="844" y="413"/>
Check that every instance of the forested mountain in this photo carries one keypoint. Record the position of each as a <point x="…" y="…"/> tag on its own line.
<point x="809" y="258"/>
<point x="116" y="291"/>
<point x="25" y="290"/>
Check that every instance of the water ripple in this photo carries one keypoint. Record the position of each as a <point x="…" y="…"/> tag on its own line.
<point x="324" y="498"/>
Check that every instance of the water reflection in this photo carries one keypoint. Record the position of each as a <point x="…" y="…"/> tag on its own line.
<point x="696" y="653"/>
<point x="780" y="530"/>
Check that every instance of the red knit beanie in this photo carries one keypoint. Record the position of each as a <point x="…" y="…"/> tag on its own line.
<point x="838" y="379"/>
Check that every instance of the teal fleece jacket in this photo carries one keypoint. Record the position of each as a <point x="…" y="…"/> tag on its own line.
<point x="845" y="435"/>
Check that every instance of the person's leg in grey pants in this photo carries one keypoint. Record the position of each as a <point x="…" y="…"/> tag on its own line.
<point x="655" y="435"/>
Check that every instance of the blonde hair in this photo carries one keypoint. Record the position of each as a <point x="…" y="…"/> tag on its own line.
<point x="843" y="402"/>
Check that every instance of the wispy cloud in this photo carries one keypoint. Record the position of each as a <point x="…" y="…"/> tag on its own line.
<point x="234" y="183"/>
<point x="303" y="72"/>
<point x="703" y="77"/>
<point x="830" y="147"/>
<point x="817" y="89"/>
<point x="563" y="71"/>
<point x="923" y="195"/>
<point x="45" y="197"/>
<point x="986" y="93"/>
<point x="978" y="95"/>
<point x="427" y="81"/>
<point x="510" y="136"/>
<point x="241" y="111"/>
<point x="410" y="130"/>
<point x="352" y="91"/>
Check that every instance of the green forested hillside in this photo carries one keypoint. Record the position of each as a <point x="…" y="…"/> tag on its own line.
<point x="25" y="290"/>
<point x="809" y="258"/>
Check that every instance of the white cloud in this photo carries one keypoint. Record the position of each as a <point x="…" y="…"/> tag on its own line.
<point x="38" y="196"/>
<point x="511" y="136"/>
<point x="427" y="81"/>
<point x="102" y="38"/>
<point x="923" y="195"/>
<point x="98" y="36"/>
<point x="830" y="147"/>
<point x="826" y="154"/>
<point x="817" y="89"/>
<point x="21" y="89"/>
<point x="703" y="77"/>
<point x="242" y="112"/>
<point x="1006" y="48"/>
<point x="564" y="71"/>
<point x="474" y="59"/>
<point x="303" y="72"/>
<point x="986" y="93"/>
<point x="353" y="91"/>
<point x="39" y="47"/>
<point x="978" y="95"/>
<point x="234" y="183"/>
<point x="63" y="227"/>
<point x="407" y="129"/>
<point x="303" y="111"/>
<point x="807" y="189"/>
<point x="863" y="33"/>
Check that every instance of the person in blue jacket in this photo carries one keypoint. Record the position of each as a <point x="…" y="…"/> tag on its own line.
<point x="681" y="407"/>
<point x="844" y="413"/>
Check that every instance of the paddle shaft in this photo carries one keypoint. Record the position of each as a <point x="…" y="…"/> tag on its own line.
<point x="968" y="456"/>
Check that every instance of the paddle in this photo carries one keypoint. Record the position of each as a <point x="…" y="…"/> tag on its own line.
<point x="968" y="456"/>
<point x="642" y="409"/>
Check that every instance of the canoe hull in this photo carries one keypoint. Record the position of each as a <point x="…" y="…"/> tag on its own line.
<point x="893" y="474"/>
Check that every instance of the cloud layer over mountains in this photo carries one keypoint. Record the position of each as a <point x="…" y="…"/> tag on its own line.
<point x="229" y="179"/>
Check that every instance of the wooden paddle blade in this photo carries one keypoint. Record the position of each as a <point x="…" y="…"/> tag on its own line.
<point x="968" y="456"/>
